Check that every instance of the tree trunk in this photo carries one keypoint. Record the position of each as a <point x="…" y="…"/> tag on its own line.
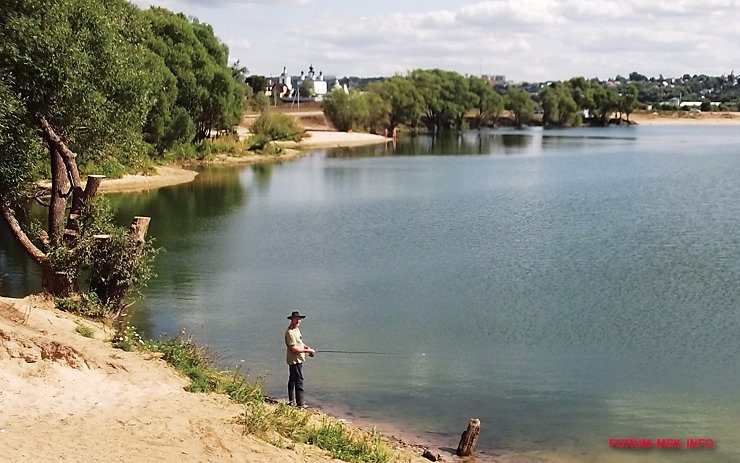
<point x="58" y="201"/>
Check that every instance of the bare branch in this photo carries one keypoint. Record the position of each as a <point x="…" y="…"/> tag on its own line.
<point x="9" y="216"/>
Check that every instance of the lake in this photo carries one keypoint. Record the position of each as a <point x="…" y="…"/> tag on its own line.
<point x="565" y="287"/>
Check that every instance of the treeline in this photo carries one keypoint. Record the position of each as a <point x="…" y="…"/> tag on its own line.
<point x="658" y="91"/>
<point x="438" y="100"/>
<point x="119" y="85"/>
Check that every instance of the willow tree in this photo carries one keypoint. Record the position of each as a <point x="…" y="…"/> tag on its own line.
<point x="77" y="86"/>
<point x="208" y="96"/>
<point x="520" y="104"/>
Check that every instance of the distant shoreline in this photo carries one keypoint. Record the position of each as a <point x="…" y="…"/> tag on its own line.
<point x="175" y="175"/>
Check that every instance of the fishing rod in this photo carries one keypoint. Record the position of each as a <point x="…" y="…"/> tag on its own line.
<point x="364" y="352"/>
<point x="353" y="352"/>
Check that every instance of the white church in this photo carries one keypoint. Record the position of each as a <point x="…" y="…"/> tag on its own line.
<point x="286" y="86"/>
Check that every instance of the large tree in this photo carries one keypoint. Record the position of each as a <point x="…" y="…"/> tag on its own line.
<point x="488" y="101"/>
<point x="559" y="107"/>
<point x="406" y="103"/>
<point x="520" y="104"/>
<point x="208" y="95"/>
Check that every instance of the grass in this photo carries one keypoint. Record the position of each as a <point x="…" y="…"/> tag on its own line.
<point x="85" y="331"/>
<point x="267" y="420"/>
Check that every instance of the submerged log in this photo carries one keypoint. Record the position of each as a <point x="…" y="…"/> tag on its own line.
<point x="469" y="438"/>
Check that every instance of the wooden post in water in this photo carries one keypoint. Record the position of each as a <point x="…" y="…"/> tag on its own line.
<point x="469" y="438"/>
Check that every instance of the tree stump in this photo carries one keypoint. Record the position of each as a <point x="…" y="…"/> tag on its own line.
<point x="469" y="438"/>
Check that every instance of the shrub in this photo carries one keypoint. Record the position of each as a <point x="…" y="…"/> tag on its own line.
<point x="277" y="126"/>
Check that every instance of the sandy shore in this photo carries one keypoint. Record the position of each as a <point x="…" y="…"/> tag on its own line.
<point x="684" y="117"/>
<point x="69" y="398"/>
<point x="175" y="175"/>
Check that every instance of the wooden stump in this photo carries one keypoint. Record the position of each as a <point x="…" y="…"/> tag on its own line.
<point x="469" y="438"/>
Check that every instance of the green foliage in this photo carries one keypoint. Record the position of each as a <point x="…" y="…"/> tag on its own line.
<point x="259" y="102"/>
<point x="83" y="66"/>
<point x="605" y="102"/>
<point x="86" y="305"/>
<point x="277" y="126"/>
<point x="348" y="446"/>
<point x="489" y="103"/>
<point x="128" y="339"/>
<point x="107" y="268"/>
<point x="306" y="89"/>
<point x="84" y="331"/>
<point x="195" y="361"/>
<point x="256" y="83"/>
<point x="559" y="106"/>
<point x="406" y="103"/>
<point x="628" y="101"/>
<point x="346" y="111"/>
<point x="209" y="94"/>
<point x="520" y="104"/>
<point x="20" y="152"/>
<point x="447" y="98"/>
<point x="378" y="112"/>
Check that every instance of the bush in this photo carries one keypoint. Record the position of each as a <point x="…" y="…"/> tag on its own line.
<point x="277" y="126"/>
<point x="346" y="111"/>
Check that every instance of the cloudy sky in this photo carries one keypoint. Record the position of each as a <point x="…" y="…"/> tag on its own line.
<point x="525" y="40"/>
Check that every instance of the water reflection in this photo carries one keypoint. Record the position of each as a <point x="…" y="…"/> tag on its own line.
<point x="483" y="142"/>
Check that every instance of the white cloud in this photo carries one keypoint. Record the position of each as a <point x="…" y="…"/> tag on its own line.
<point x="523" y="39"/>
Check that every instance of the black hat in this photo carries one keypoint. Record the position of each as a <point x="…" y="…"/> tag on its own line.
<point x="296" y="314"/>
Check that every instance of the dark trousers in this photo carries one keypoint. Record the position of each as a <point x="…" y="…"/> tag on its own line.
<point x="295" y="380"/>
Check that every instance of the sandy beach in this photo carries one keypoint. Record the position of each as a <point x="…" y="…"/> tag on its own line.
<point x="685" y="117"/>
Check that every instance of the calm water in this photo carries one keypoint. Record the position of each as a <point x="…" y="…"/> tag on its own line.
<point x="565" y="287"/>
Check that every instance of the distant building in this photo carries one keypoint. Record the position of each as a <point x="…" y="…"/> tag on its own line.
<point x="495" y="80"/>
<point x="286" y="87"/>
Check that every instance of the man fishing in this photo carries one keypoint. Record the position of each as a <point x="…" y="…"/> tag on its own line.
<point x="295" y="356"/>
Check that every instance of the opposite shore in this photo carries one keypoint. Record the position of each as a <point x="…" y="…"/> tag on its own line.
<point x="174" y="175"/>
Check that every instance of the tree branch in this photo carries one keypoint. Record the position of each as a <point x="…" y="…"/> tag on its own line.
<point x="36" y="254"/>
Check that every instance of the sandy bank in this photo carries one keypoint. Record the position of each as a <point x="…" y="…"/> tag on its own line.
<point x="66" y="397"/>
<point x="684" y="117"/>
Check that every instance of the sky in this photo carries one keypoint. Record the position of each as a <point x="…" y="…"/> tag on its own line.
<point x="524" y="40"/>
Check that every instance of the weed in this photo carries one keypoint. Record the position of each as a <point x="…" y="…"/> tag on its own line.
<point x="128" y="339"/>
<point x="85" y="330"/>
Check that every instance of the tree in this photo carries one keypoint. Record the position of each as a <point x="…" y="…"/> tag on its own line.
<point x="305" y="90"/>
<point x="78" y="75"/>
<point x="488" y="101"/>
<point x="559" y="107"/>
<point x="405" y="101"/>
<point x="628" y="100"/>
<point x="346" y="111"/>
<point x="447" y="97"/>
<point x="210" y="93"/>
<point x="606" y="101"/>
<point x="378" y="112"/>
<point x="257" y="83"/>
<point x="520" y="104"/>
